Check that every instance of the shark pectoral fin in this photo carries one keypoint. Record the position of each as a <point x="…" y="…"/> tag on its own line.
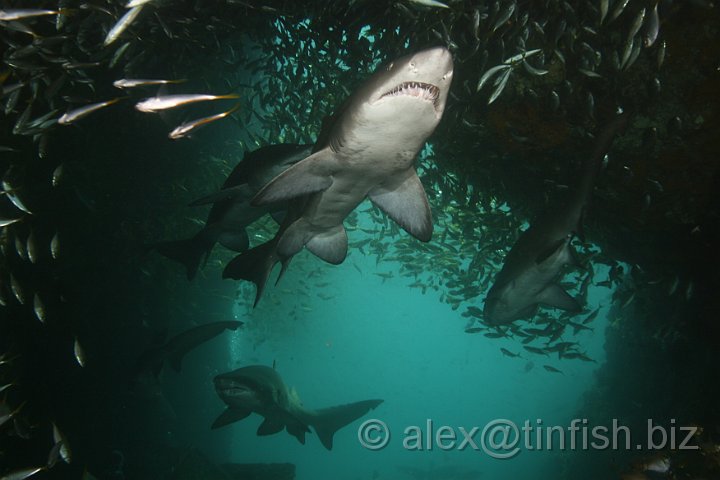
<point x="229" y="416"/>
<point x="330" y="246"/>
<point x="554" y="296"/>
<point x="310" y="175"/>
<point x="224" y="194"/>
<point x="405" y="202"/>
<point x="269" y="427"/>
<point x="550" y="250"/>
<point x="327" y="421"/>
<point x="255" y="266"/>
<point x="236" y="241"/>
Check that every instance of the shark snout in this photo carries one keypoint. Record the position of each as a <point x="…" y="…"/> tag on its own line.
<point x="437" y="60"/>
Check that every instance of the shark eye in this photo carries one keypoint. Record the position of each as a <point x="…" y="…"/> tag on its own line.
<point x="412" y="64"/>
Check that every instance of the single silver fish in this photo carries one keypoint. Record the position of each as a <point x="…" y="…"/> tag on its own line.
<point x="59" y="438"/>
<point x="4" y="222"/>
<point x="6" y="414"/>
<point x="22" y="474"/>
<point x="55" y="246"/>
<point x="122" y="25"/>
<point x="39" y="309"/>
<point x="142" y="82"/>
<point x="82" y="112"/>
<point x="626" y="52"/>
<point x="490" y="73"/>
<point x="14" y="198"/>
<point x="20" y="14"/>
<point x="619" y="9"/>
<point x="604" y="7"/>
<point x="137" y="3"/>
<point x="17" y="289"/>
<point x="505" y="16"/>
<point x="500" y="86"/>
<point x="661" y="55"/>
<point x="118" y="54"/>
<point x="532" y="70"/>
<point x="79" y="353"/>
<point x="186" y="128"/>
<point x="31" y="247"/>
<point x="57" y="175"/>
<point x="430" y="3"/>
<point x="633" y="55"/>
<point x="637" y="24"/>
<point x="521" y="56"/>
<point x="652" y="27"/>
<point x="156" y="104"/>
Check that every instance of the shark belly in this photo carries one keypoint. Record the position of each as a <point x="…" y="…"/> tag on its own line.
<point x="366" y="154"/>
<point x="533" y="284"/>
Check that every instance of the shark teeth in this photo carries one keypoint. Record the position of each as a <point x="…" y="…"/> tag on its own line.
<point x="235" y="391"/>
<point x="425" y="91"/>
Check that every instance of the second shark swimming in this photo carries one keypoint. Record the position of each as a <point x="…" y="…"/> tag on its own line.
<point x="260" y="389"/>
<point x="534" y="263"/>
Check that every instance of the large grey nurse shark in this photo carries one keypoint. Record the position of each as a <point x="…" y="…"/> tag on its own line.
<point x="260" y="389"/>
<point x="368" y="151"/>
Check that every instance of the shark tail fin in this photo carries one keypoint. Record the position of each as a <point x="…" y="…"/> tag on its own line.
<point x="255" y="266"/>
<point x="190" y="252"/>
<point x="327" y="421"/>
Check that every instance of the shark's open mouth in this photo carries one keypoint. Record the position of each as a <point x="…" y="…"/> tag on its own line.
<point x="421" y="90"/>
<point x="235" y="390"/>
<point x="231" y="388"/>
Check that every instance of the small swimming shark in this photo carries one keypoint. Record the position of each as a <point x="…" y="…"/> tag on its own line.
<point x="369" y="151"/>
<point x="231" y="212"/>
<point x="175" y="349"/>
<point x="534" y="263"/>
<point x="260" y="389"/>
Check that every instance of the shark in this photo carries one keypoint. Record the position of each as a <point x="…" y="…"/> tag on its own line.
<point x="231" y="210"/>
<point x="534" y="263"/>
<point x="260" y="389"/>
<point x="367" y="151"/>
<point x="175" y="349"/>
